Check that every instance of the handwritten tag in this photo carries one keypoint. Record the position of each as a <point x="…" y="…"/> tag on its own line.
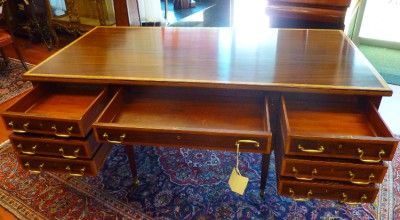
<point x="237" y="182"/>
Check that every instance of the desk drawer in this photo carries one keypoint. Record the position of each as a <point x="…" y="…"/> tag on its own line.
<point x="313" y="169"/>
<point x="303" y="191"/>
<point x="78" y="167"/>
<point x="336" y="129"/>
<point x="186" y="117"/>
<point x="59" y="110"/>
<point x="58" y="147"/>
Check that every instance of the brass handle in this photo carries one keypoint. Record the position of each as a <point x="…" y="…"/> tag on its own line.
<point x="352" y="176"/>
<point x="39" y="170"/>
<point x="292" y="194"/>
<point x="361" y="152"/>
<point x="81" y="171"/>
<point x="63" y="135"/>
<point x="296" y="174"/>
<point x="24" y="126"/>
<point x="76" y="153"/>
<point x="321" y="149"/>
<point x="121" y="139"/>
<point x="345" y="198"/>
<point x="32" y="152"/>
<point x="256" y="143"/>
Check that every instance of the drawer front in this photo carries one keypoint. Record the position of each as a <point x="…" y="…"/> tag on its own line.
<point x="28" y="125"/>
<point x="218" y="141"/>
<point x="357" y="174"/>
<point x="364" y="151"/>
<point x="47" y="146"/>
<point x="303" y="191"/>
<point x="59" y="110"/>
<point x="78" y="167"/>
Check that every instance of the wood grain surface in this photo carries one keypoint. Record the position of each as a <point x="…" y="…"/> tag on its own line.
<point x="322" y="61"/>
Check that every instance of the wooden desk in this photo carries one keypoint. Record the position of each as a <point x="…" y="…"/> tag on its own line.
<point x="308" y="94"/>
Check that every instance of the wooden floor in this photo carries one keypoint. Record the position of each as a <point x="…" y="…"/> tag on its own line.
<point x="35" y="53"/>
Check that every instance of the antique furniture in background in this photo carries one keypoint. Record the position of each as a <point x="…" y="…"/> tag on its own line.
<point x="309" y="95"/>
<point x="28" y="18"/>
<point x="126" y="13"/>
<point x="5" y="40"/>
<point x="307" y="13"/>
<point x="79" y="16"/>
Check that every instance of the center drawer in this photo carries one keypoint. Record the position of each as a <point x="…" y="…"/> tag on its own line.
<point x="186" y="117"/>
<point x="60" y="110"/>
<point x="335" y="128"/>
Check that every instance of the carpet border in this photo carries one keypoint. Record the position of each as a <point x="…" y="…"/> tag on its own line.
<point x="9" y="96"/>
<point x="20" y="210"/>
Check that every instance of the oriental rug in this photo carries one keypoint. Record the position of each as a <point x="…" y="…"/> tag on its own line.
<point x="174" y="184"/>
<point x="11" y="83"/>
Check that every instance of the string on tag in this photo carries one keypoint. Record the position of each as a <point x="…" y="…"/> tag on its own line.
<point x="237" y="158"/>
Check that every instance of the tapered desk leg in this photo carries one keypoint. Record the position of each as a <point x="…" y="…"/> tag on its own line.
<point x="132" y="163"/>
<point x="264" y="173"/>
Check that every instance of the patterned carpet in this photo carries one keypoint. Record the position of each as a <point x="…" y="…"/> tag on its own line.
<point x="11" y="83"/>
<point x="174" y="184"/>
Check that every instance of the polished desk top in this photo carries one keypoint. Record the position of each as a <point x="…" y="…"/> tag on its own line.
<point x="321" y="61"/>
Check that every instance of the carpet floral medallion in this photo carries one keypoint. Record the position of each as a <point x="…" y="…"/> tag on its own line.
<point x="174" y="184"/>
<point x="11" y="83"/>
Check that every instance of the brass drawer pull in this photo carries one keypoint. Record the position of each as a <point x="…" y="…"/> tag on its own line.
<point x="352" y="176"/>
<point x="31" y="152"/>
<point x="23" y="130"/>
<point x="361" y="152"/>
<point x="121" y="139"/>
<point x="255" y="143"/>
<point x="32" y="171"/>
<point x="296" y="174"/>
<point x="321" y="149"/>
<point x="76" y="153"/>
<point x="292" y="194"/>
<point x="345" y="198"/>
<point x="81" y="171"/>
<point x="67" y="135"/>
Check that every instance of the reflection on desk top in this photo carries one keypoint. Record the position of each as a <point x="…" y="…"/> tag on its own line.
<point x="321" y="61"/>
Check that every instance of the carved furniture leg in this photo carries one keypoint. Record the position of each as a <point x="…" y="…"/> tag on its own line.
<point x="132" y="164"/>
<point x="264" y="173"/>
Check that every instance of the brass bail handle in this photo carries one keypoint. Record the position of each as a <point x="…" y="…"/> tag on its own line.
<point x="31" y="152"/>
<point x="296" y="174"/>
<point x="255" y="143"/>
<point x="361" y="152"/>
<point x="298" y="199"/>
<point x="121" y="139"/>
<point x="63" y="135"/>
<point x="78" y="174"/>
<point x="345" y="198"/>
<point x="321" y="149"/>
<point x="353" y="176"/>
<point x="23" y="130"/>
<point x="74" y="156"/>
<point x="32" y="171"/>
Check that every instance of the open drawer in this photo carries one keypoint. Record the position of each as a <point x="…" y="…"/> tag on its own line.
<point x="335" y="128"/>
<point x="60" y="110"/>
<point x="78" y="167"/>
<point x="72" y="148"/>
<point x="186" y="117"/>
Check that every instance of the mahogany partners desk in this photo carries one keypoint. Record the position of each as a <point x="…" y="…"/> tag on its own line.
<point x="308" y="94"/>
